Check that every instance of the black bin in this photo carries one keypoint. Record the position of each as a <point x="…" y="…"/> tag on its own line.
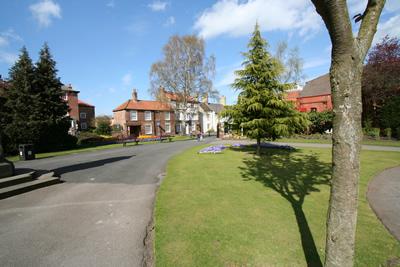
<point x="26" y="152"/>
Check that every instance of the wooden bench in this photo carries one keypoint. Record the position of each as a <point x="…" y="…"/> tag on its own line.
<point x="137" y="140"/>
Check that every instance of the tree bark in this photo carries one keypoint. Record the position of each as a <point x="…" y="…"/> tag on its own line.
<point x="347" y="133"/>
<point x="258" y="146"/>
<point x="348" y="54"/>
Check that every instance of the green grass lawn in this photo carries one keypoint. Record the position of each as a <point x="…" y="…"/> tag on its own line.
<point x="94" y="148"/>
<point x="237" y="209"/>
<point x="324" y="141"/>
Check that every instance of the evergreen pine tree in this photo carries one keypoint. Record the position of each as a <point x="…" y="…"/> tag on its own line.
<point x="261" y="110"/>
<point x="51" y="109"/>
<point x="22" y="126"/>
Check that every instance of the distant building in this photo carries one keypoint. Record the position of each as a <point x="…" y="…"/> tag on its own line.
<point x="81" y="113"/>
<point x="210" y="119"/>
<point x="137" y="117"/>
<point x="315" y="96"/>
<point x="186" y="115"/>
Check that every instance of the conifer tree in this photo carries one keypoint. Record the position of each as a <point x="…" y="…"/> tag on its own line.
<point x="50" y="107"/>
<point x="21" y="99"/>
<point x="261" y="109"/>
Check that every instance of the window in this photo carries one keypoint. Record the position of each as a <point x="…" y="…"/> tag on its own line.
<point x="167" y="127"/>
<point x="167" y="116"/>
<point x="148" y="129"/>
<point x="178" y="128"/>
<point x="65" y="97"/>
<point x="82" y="115"/>
<point x="314" y="109"/>
<point x="133" y="115"/>
<point x="147" y="115"/>
<point x="83" y="126"/>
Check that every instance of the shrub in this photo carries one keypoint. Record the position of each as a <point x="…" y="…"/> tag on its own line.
<point x="390" y="114"/>
<point x="398" y="132"/>
<point x="85" y="138"/>
<point x="320" y="121"/>
<point x="374" y="133"/>
<point x="388" y="132"/>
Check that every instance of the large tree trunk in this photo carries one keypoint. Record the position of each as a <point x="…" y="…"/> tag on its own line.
<point x="347" y="134"/>
<point x="348" y="54"/>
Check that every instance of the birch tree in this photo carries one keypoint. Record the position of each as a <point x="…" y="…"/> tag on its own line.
<point x="185" y="71"/>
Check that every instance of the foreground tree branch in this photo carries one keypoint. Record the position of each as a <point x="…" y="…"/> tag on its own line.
<point x="348" y="54"/>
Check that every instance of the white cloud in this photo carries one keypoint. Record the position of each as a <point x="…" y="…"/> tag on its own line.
<point x="44" y="11"/>
<point x="158" y="6"/>
<point x="8" y="58"/>
<point x="389" y="27"/>
<point x="112" y="90"/>
<point x="237" y="18"/>
<point x="170" y="21"/>
<point x="7" y="36"/>
<point x="127" y="79"/>
<point x="111" y="4"/>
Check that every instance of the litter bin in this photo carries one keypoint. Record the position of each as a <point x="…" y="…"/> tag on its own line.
<point x="26" y="152"/>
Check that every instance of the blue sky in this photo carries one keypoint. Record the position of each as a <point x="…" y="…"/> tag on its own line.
<point x="104" y="48"/>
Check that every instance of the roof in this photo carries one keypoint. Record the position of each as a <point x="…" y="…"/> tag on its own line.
<point x="205" y="107"/>
<point x="81" y="103"/>
<point x="217" y="108"/>
<point x="143" y="105"/>
<point x="319" y="86"/>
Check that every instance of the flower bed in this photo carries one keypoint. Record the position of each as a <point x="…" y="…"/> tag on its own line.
<point x="213" y="149"/>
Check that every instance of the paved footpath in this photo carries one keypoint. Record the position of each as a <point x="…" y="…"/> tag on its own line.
<point x="384" y="197"/>
<point x="97" y="217"/>
<point x="315" y="145"/>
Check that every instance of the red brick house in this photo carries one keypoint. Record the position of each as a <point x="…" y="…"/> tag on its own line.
<point x="315" y="96"/>
<point x="81" y="113"/>
<point x="143" y="117"/>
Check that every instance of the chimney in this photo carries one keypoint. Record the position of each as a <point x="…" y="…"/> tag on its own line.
<point x="222" y="100"/>
<point x="205" y="98"/>
<point x="134" y="95"/>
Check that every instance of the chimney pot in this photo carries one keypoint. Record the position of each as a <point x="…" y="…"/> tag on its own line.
<point x="134" y="95"/>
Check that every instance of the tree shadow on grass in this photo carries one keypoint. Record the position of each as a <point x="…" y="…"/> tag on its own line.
<point x="293" y="177"/>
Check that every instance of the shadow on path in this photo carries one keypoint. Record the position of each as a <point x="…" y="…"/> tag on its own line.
<point x="75" y="167"/>
<point x="293" y="177"/>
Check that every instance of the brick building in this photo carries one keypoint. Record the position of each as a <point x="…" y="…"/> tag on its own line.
<point x="81" y="113"/>
<point x="315" y="96"/>
<point x="142" y="117"/>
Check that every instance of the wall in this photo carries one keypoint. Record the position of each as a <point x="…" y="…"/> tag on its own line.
<point x="73" y="104"/>
<point x="120" y="117"/>
<point x="321" y="103"/>
<point x="90" y="116"/>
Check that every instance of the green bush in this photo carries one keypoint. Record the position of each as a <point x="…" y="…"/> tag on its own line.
<point x="388" y="132"/>
<point x="320" y="121"/>
<point x="390" y="114"/>
<point x="86" y="138"/>
<point x="374" y="133"/>
<point x="398" y="132"/>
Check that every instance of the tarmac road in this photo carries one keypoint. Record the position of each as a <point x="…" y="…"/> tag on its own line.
<point x="97" y="217"/>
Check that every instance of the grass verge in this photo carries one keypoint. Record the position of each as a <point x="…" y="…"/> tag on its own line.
<point x="95" y="148"/>
<point x="237" y="209"/>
